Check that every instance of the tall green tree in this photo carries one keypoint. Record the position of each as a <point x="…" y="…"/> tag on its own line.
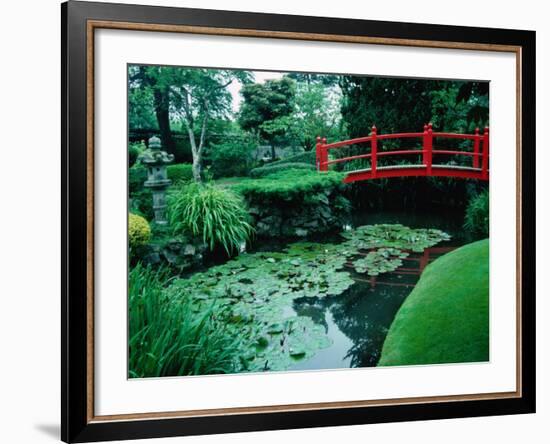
<point x="149" y="81"/>
<point x="201" y="94"/>
<point x="393" y="105"/>
<point x="316" y="113"/>
<point x="267" y="109"/>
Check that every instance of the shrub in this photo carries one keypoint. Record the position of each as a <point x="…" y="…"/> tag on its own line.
<point x="476" y="220"/>
<point x="230" y="158"/>
<point x="137" y="175"/>
<point x="305" y="157"/>
<point x="215" y="213"/>
<point x="169" y="336"/>
<point x="139" y="231"/>
<point x="134" y="150"/>
<point x="180" y="172"/>
<point x="271" y="168"/>
<point x="141" y="197"/>
<point x="289" y="185"/>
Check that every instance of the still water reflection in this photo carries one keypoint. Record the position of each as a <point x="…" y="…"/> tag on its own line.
<point x="358" y="320"/>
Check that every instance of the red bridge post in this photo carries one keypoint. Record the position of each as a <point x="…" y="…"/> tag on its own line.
<point x="485" y="154"/>
<point x="476" y="149"/>
<point x="318" y="153"/>
<point x="427" y="147"/>
<point x="321" y="155"/>
<point x="324" y="155"/>
<point x="373" y="151"/>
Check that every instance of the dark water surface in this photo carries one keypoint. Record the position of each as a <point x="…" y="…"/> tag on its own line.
<point x="357" y="321"/>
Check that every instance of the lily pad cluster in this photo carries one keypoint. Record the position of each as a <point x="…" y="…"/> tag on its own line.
<point x="387" y="245"/>
<point x="254" y="293"/>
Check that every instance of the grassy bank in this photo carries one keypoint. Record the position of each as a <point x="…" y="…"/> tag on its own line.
<point x="446" y="317"/>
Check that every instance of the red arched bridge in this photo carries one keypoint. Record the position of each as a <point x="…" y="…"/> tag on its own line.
<point x="479" y="153"/>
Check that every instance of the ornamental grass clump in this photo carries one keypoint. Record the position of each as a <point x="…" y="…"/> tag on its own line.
<point x="170" y="336"/>
<point x="216" y="214"/>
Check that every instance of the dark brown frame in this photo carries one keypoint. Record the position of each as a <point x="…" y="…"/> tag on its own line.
<point x="79" y="21"/>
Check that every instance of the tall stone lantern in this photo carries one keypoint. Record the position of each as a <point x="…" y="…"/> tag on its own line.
<point x="157" y="178"/>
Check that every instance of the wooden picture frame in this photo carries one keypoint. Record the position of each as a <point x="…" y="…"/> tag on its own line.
<point x="79" y="22"/>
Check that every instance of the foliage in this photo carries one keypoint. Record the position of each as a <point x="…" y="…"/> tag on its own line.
<point x="134" y="150"/>
<point x="180" y="172"/>
<point x="267" y="107"/>
<point x="192" y="96"/>
<point x="476" y="220"/>
<point x="316" y="113"/>
<point x="231" y="158"/>
<point x="446" y="317"/>
<point x="137" y="175"/>
<point x="289" y="184"/>
<point x="305" y="157"/>
<point x="214" y="213"/>
<point x="170" y="337"/>
<point x="141" y="107"/>
<point x="393" y="105"/>
<point x="275" y="168"/>
<point x="139" y="231"/>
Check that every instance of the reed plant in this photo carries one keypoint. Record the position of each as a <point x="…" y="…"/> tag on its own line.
<point x="168" y="336"/>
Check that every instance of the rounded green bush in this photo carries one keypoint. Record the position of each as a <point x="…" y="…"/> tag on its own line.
<point x="139" y="231"/>
<point x="445" y="319"/>
<point x="180" y="172"/>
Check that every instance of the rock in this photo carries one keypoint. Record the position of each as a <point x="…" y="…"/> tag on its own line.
<point x="189" y="250"/>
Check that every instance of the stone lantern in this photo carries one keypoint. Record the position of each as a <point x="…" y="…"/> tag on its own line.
<point x="157" y="178"/>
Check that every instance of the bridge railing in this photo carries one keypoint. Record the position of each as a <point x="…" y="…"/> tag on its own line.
<point x="479" y="153"/>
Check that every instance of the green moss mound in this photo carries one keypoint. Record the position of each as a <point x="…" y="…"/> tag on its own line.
<point x="446" y="317"/>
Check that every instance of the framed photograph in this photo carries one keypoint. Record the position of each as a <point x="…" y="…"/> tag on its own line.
<point x="275" y="221"/>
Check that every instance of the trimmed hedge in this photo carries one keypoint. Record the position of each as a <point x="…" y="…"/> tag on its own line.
<point x="270" y="169"/>
<point x="289" y="185"/>
<point x="305" y="157"/>
<point x="180" y="172"/>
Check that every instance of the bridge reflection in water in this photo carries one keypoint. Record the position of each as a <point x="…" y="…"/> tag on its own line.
<point x="413" y="265"/>
<point x="357" y="321"/>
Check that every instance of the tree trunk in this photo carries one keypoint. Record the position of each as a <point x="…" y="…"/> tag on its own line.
<point x="162" y="113"/>
<point x="197" y="166"/>
<point x="273" y="154"/>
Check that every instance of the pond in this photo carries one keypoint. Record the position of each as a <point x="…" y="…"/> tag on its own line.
<point x="321" y="303"/>
<point x="357" y="321"/>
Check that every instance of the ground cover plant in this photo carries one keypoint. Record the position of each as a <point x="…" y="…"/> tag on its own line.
<point x="446" y="317"/>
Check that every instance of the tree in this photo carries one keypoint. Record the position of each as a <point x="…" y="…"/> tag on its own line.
<point x="317" y="113"/>
<point x="200" y="94"/>
<point x="149" y="80"/>
<point x="393" y="105"/>
<point x="267" y="108"/>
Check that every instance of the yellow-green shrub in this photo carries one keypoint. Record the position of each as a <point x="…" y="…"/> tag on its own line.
<point x="139" y="231"/>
